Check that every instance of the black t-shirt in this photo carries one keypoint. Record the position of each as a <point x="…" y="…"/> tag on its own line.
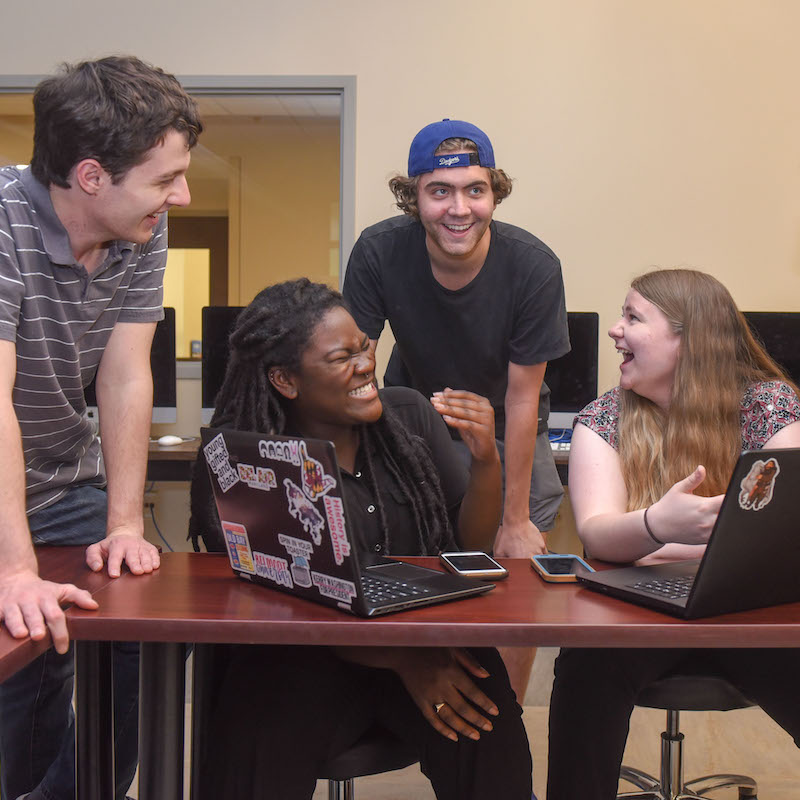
<point x="421" y="419"/>
<point x="512" y="311"/>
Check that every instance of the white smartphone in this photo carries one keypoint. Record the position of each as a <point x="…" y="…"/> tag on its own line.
<point x="560" y="567"/>
<point x="474" y="564"/>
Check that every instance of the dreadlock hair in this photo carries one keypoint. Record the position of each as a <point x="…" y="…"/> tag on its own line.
<point x="274" y="331"/>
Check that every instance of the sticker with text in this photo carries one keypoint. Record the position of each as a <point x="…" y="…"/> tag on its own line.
<point x="238" y="546"/>
<point x="303" y="510"/>
<point x="273" y="569"/>
<point x="335" y="588"/>
<point x="287" y="452"/>
<point x="300" y="551"/>
<point x="334" y="511"/>
<point x="315" y="482"/>
<point x="757" y="486"/>
<point x="257" y="478"/>
<point x="216" y="453"/>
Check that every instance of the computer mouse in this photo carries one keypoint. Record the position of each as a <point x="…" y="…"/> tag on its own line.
<point x="169" y="440"/>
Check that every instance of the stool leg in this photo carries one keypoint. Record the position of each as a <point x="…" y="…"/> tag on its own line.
<point x="672" y="756"/>
<point x="341" y="790"/>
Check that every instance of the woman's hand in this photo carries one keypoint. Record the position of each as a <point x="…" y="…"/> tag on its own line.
<point x="473" y="417"/>
<point x="440" y="683"/>
<point x="681" y="516"/>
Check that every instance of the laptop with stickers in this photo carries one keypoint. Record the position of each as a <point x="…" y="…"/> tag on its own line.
<point x="280" y="504"/>
<point x="753" y="555"/>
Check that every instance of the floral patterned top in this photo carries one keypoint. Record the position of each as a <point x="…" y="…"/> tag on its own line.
<point x="766" y="408"/>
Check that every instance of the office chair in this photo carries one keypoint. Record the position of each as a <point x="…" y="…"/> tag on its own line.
<point x="376" y="751"/>
<point x="685" y="692"/>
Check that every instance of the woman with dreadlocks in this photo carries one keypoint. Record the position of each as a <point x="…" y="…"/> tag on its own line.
<point x="299" y="365"/>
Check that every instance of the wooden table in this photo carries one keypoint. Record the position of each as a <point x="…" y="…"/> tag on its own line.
<point x="195" y="598"/>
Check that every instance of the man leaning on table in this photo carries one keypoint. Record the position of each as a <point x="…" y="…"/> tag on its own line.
<point x="83" y="240"/>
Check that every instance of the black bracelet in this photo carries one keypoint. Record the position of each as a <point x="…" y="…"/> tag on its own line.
<point x="647" y="528"/>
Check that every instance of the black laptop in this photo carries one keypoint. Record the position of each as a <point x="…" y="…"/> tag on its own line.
<point x="285" y="526"/>
<point x="753" y="556"/>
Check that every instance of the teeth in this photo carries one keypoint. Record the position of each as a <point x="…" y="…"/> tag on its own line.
<point x="458" y="227"/>
<point x="362" y="391"/>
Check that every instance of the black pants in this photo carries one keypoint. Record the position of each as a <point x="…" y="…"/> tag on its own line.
<point x="594" y="694"/>
<point x="281" y="712"/>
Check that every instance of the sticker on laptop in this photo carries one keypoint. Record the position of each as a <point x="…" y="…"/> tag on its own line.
<point x="239" y="552"/>
<point x="303" y="510"/>
<point x="273" y="569"/>
<point x="757" y="486"/>
<point x="216" y="453"/>
<point x="300" y="551"/>
<point x="257" y="477"/>
<point x="315" y="482"/>
<point x="335" y="588"/>
<point x="334" y="511"/>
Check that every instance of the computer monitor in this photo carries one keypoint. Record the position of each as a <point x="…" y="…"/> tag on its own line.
<point x="217" y="323"/>
<point x="162" y="364"/>
<point x="779" y="332"/>
<point x="573" y="378"/>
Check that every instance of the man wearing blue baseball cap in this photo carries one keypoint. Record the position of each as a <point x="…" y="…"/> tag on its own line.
<point x="473" y="304"/>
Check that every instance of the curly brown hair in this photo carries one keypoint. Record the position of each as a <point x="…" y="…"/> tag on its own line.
<point x="404" y="188"/>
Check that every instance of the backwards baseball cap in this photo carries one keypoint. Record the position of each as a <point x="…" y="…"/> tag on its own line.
<point x="422" y="158"/>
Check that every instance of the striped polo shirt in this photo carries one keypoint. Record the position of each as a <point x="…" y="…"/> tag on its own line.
<point x="60" y="319"/>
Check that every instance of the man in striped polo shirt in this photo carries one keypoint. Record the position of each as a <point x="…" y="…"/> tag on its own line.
<point x="83" y="242"/>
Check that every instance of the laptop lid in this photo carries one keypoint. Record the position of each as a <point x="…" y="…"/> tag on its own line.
<point x="753" y="555"/>
<point x="284" y="522"/>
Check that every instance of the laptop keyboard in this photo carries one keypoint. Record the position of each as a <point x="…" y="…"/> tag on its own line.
<point x="378" y="590"/>
<point x="673" y="588"/>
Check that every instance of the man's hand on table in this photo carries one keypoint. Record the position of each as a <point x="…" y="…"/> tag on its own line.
<point x="122" y="545"/>
<point x="31" y="606"/>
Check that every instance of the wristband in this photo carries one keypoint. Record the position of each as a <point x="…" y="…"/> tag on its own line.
<point x="649" y="531"/>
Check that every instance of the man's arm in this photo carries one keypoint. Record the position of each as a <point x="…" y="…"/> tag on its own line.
<point x="125" y="402"/>
<point x="28" y="605"/>
<point x="518" y="536"/>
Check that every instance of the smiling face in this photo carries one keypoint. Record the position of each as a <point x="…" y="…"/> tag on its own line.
<point x="650" y="348"/>
<point x="130" y="209"/>
<point x="455" y="207"/>
<point x="334" y="387"/>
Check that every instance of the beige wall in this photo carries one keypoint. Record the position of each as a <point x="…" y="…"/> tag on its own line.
<point x="640" y="133"/>
<point x="288" y="188"/>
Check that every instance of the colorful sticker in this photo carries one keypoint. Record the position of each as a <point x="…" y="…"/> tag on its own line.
<point x="335" y="588"/>
<point x="300" y="550"/>
<point x="273" y="569"/>
<point x="758" y="485"/>
<point x="257" y="478"/>
<point x="334" y="511"/>
<point x="216" y="453"/>
<point x="315" y="482"/>
<point x="238" y="546"/>
<point x="303" y="510"/>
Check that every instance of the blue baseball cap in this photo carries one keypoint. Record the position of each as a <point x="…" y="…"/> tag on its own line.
<point x="422" y="158"/>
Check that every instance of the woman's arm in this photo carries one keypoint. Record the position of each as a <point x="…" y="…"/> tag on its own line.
<point x="599" y="500"/>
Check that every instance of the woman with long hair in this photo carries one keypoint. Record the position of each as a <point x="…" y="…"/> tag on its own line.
<point x="300" y="366"/>
<point x="649" y="463"/>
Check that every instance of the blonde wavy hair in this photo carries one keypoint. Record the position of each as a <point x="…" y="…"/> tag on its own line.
<point x="404" y="188"/>
<point x="718" y="359"/>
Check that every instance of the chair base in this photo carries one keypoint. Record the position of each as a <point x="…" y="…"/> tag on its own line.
<point x="671" y="786"/>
